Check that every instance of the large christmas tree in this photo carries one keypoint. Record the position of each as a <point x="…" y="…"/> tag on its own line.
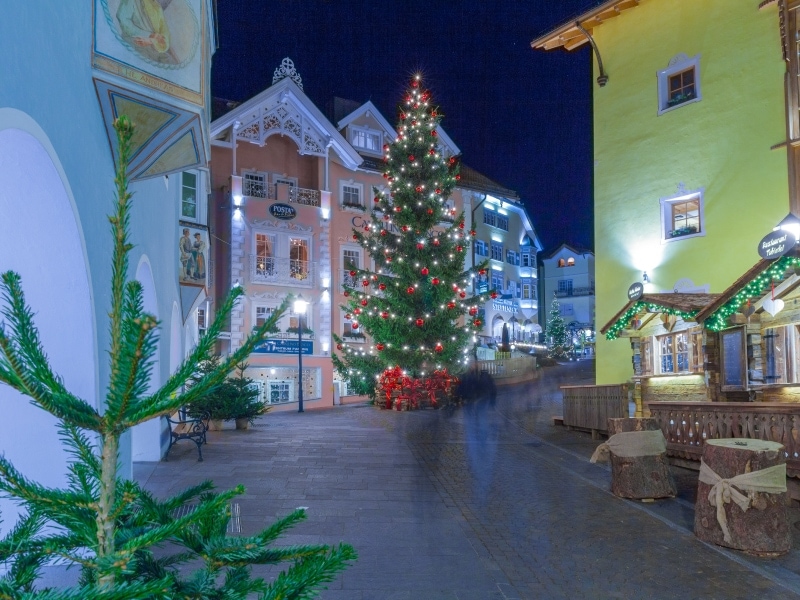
<point x="556" y="335"/>
<point x="415" y="306"/>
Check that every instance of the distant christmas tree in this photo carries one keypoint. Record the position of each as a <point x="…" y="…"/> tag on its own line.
<point x="414" y="306"/>
<point x="556" y="335"/>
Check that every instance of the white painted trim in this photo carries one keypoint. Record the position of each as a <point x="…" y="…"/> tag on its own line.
<point x="683" y="196"/>
<point x="368" y="107"/>
<point x="677" y="64"/>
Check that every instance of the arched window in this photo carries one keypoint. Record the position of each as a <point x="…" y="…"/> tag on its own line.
<point x="570" y="262"/>
<point x="562" y="262"/>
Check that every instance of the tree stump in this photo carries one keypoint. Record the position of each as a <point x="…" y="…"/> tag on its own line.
<point x="639" y="477"/>
<point x="764" y="527"/>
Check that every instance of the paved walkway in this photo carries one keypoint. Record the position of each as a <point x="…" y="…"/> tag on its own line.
<point x="484" y="502"/>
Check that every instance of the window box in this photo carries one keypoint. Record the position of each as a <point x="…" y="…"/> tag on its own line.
<point x="680" y="99"/>
<point x="683" y="231"/>
<point x="354" y="206"/>
<point x="296" y="330"/>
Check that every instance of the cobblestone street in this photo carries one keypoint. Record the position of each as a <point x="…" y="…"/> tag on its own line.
<point x="484" y="502"/>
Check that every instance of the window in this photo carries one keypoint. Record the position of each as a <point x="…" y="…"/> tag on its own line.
<point x="263" y="313"/>
<point x="351" y="261"/>
<point x="202" y="321"/>
<point x="298" y="258"/>
<point x="489" y="217"/>
<point x="512" y="257"/>
<point x="497" y="281"/>
<point x="682" y="216"/>
<point x="782" y="346"/>
<point x="265" y="254"/>
<point x="679" y="83"/>
<point x="497" y="251"/>
<point x="350" y="333"/>
<point x="366" y="139"/>
<point x="680" y="352"/>
<point x="561" y="263"/>
<point x="502" y="222"/>
<point x="570" y="262"/>
<point x="280" y="391"/>
<point x="254" y="184"/>
<point x="565" y="287"/>
<point x="566" y="310"/>
<point x="480" y="248"/>
<point x="528" y="258"/>
<point x="189" y="195"/>
<point x="528" y="291"/>
<point x="351" y="196"/>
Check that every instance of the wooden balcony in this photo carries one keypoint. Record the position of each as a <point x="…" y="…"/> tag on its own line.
<point x="687" y="425"/>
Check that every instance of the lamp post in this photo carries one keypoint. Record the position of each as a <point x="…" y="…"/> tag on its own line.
<point x="300" y="306"/>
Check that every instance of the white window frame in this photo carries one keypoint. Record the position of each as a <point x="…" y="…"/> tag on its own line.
<point x="354" y="130"/>
<point x="678" y="64"/>
<point x="489" y="217"/>
<point x="492" y="246"/>
<point x="280" y="244"/>
<point x="527" y="258"/>
<point x="497" y="277"/>
<point x="278" y="178"/>
<point x="350" y="340"/>
<point x="502" y="222"/>
<point x="567" y="309"/>
<point x="666" y="214"/>
<point x="345" y="270"/>
<point x="481" y="248"/>
<point x="357" y="186"/>
<point x="512" y="257"/>
<point x="528" y="290"/>
<point x="255" y="175"/>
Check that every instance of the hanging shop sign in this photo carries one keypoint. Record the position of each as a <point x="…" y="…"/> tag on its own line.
<point x="283" y="212"/>
<point x="635" y="291"/>
<point x="775" y="244"/>
<point x="283" y="347"/>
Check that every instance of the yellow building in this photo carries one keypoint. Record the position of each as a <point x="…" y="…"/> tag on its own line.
<point x="690" y="145"/>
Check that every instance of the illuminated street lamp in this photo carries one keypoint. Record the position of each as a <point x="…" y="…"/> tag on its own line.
<point x="300" y="307"/>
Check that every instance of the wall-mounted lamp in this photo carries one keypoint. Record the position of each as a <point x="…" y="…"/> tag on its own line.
<point x="645" y="278"/>
<point x="325" y="213"/>
<point x="237" y="198"/>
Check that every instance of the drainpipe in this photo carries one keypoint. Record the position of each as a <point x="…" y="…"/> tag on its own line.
<point x="602" y="79"/>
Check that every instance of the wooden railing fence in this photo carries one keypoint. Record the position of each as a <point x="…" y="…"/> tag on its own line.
<point x="590" y="406"/>
<point x="509" y="368"/>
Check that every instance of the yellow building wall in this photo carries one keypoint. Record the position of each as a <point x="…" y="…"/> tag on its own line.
<point x="721" y="144"/>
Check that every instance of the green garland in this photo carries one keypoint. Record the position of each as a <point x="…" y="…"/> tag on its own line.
<point x="755" y="289"/>
<point x="625" y="319"/>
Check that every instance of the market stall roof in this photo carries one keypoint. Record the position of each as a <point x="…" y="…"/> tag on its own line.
<point x="686" y="306"/>
<point x="570" y="36"/>
<point x="752" y="286"/>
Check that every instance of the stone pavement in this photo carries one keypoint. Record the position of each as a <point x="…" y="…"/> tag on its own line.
<point x="482" y="502"/>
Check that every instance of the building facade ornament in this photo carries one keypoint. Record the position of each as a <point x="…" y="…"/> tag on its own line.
<point x="287" y="70"/>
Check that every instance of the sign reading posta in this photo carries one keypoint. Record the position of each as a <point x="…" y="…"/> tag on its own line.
<point x="635" y="291"/>
<point x="283" y="211"/>
<point x="775" y="244"/>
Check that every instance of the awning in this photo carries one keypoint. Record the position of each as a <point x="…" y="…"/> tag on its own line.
<point x="685" y="306"/>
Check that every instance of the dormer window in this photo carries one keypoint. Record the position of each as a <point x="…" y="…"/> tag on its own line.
<point x="570" y="262"/>
<point x="367" y="140"/>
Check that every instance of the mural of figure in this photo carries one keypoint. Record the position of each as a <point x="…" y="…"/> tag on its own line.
<point x="186" y="249"/>
<point x="198" y="256"/>
<point x="142" y="23"/>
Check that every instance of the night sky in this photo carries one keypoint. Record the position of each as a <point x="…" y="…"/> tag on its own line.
<point x="520" y="116"/>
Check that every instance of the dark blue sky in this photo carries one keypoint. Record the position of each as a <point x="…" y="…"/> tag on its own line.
<point x="522" y="117"/>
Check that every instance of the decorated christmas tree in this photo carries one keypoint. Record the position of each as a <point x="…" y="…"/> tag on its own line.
<point x="556" y="335"/>
<point x="415" y="307"/>
<point x="128" y="544"/>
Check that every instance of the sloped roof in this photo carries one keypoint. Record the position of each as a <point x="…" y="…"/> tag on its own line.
<point x="573" y="249"/>
<point x="474" y="180"/>
<point x="569" y="36"/>
<point x="688" y="305"/>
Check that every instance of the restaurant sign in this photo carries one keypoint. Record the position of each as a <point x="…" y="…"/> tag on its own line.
<point x="775" y="244"/>
<point x="635" y="291"/>
<point x="283" y="347"/>
<point x="502" y="305"/>
<point x="283" y="211"/>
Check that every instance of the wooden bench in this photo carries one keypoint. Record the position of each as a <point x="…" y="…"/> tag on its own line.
<point x="188" y="428"/>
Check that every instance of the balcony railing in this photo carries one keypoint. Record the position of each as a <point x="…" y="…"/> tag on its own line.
<point x="269" y="191"/>
<point x="687" y="425"/>
<point x="578" y="291"/>
<point x="282" y="271"/>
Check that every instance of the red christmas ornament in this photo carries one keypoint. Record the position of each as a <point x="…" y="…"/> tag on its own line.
<point x="435" y="281"/>
<point x="385" y="315"/>
<point x="385" y="217"/>
<point x="366" y="227"/>
<point x="439" y="348"/>
<point x="352" y="273"/>
<point x="433" y="113"/>
<point x="414" y="83"/>
<point x="365" y="282"/>
<point x="410" y="290"/>
<point x="346" y="293"/>
<point x="493" y="295"/>
<point x="452" y="160"/>
<point x="424" y="270"/>
<point x="461" y="225"/>
<point x="433" y="133"/>
<point x="357" y="310"/>
<point x="397" y="209"/>
<point x="418" y="189"/>
<point x="381" y="286"/>
<point x="458" y="177"/>
<point x="338" y="346"/>
<point x="364" y="302"/>
<point x="420" y="322"/>
<point x="473" y="233"/>
<point x="451" y="305"/>
<point x="379" y="347"/>
<point x="477" y="322"/>
<point x="404" y="228"/>
<point x="386" y="176"/>
<point x="438" y="190"/>
<point x="462" y="294"/>
<point x="384" y="232"/>
<point x="431" y="151"/>
<point x="459" y="248"/>
<point x="376" y="199"/>
<point x="354" y="325"/>
<point x="374" y="278"/>
<point x="482" y="272"/>
<point x="386" y="146"/>
<point x="430" y="211"/>
<point x="435" y="241"/>
<point x="420" y="246"/>
<point x="473" y="311"/>
<point x="355" y="237"/>
<point x="388" y="259"/>
<point x="411" y="158"/>
<point x="348" y="316"/>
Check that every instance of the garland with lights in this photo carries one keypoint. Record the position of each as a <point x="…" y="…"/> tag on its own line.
<point x="757" y="287"/>
<point x="414" y="307"/>
<point x="627" y="317"/>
